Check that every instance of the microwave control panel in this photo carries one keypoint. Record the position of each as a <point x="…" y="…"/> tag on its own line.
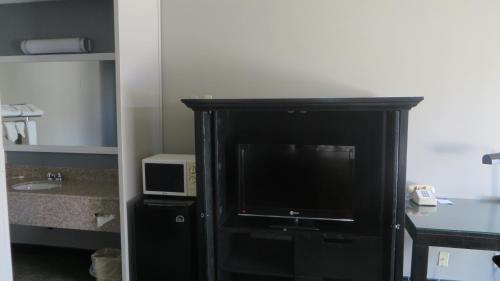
<point x="191" y="178"/>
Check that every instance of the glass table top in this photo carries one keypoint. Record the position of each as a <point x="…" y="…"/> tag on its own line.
<point x="465" y="215"/>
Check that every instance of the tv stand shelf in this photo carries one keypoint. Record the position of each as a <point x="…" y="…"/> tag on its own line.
<point x="308" y="158"/>
<point x="239" y="224"/>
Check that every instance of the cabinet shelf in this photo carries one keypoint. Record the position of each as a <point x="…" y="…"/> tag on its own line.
<point x="59" y="58"/>
<point x="239" y="224"/>
<point x="63" y="149"/>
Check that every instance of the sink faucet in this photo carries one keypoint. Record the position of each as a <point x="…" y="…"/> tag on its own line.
<point x="54" y="176"/>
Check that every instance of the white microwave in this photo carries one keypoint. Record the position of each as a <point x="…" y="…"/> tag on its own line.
<point x="169" y="174"/>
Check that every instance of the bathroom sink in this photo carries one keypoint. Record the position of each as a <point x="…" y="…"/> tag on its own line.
<point x="35" y="185"/>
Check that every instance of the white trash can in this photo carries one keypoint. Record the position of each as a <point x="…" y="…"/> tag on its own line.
<point x="106" y="265"/>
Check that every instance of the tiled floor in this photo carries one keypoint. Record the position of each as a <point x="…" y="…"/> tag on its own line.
<point x="50" y="264"/>
<point x="33" y="263"/>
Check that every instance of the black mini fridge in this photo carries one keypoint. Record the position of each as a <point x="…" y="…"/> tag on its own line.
<point x="165" y="239"/>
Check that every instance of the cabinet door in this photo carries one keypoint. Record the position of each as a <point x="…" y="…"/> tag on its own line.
<point x="163" y="243"/>
<point x="308" y="279"/>
<point x="318" y="257"/>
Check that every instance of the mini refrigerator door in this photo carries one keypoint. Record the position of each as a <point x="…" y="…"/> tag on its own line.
<point x="164" y="244"/>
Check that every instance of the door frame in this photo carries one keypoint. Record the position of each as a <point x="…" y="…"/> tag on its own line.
<point x="5" y="250"/>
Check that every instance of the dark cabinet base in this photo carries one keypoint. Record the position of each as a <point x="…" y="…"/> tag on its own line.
<point x="301" y="255"/>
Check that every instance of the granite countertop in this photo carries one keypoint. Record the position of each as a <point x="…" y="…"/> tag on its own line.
<point x="83" y="197"/>
<point x="77" y="188"/>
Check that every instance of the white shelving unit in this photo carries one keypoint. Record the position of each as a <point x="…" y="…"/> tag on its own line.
<point x="62" y="149"/>
<point x="132" y="29"/>
<point x="58" y="58"/>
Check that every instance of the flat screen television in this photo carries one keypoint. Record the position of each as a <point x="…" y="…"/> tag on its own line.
<point x="296" y="181"/>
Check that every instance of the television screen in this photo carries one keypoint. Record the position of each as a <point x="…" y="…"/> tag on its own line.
<point x="299" y="181"/>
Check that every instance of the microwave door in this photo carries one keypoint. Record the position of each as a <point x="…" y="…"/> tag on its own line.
<point x="164" y="179"/>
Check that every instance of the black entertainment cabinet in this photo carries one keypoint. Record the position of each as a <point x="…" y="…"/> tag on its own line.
<point x="368" y="247"/>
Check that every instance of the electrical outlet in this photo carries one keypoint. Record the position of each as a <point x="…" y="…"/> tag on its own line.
<point x="443" y="259"/>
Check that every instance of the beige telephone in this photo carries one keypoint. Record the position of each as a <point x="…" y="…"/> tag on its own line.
<point x="423" y="195"/>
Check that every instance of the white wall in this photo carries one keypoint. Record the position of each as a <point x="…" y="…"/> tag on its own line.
<point x="447" y="51"/>
<point x="78" y="99"/>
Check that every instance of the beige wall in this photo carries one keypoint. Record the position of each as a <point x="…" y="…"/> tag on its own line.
<point x="447" y="51"/>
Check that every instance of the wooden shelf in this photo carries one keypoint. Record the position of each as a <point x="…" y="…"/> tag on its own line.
<point x="59" y="58"/>
<point x="242" y="224"/>
<point x="63" y="149"/>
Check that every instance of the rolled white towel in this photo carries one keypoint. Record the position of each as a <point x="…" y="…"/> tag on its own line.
<point x="56" y="46"/>
<point x="21" y="129"/>
<point x="11" y="131"/>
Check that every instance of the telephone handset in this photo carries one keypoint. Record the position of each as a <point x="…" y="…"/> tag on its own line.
<point x="423" y="195"/>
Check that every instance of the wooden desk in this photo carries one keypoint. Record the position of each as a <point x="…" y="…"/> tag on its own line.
<point x="468" y="224"/>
